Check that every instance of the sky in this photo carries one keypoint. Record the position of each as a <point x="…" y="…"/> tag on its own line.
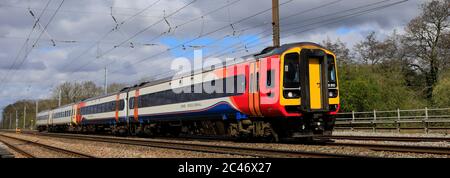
<point x="136" y="39"/>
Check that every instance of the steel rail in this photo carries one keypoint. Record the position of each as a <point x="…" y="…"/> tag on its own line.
<point x="390" y="138"/>
<point x="233" y="150"/>
<point x="18" y="150"/>
<point x="48" y="147"/>
<point x="260" y="152"/>
<point x="397" y="148"/>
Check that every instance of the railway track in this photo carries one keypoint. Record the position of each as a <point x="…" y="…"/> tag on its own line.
<point x="397" y="148"/>
<point x="337" y="137"/>
<point x="270" y="153"/>
<point x="48" y="147"/>
<point x="233" y="150"/>
<point x="375" y="147"/>
<point x="18" y="150"/>
<point x="386" y="138"/>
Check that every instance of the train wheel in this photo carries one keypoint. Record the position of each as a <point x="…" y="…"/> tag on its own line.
<point x="272" y="136"/>
<point x="220" y="128"/>
<point x="123" y="132"/>
<point x="148" y="131"/>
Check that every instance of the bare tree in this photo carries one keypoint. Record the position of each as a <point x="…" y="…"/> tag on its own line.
<point x="369" y="51"/>
<point x="115" y="87"/>
<point x="426" y="39"/>
<point x="74" y="92"/>
<point x="69" y="93"/>
<point x="90" y="89"/>
<point x="341" y="51"/>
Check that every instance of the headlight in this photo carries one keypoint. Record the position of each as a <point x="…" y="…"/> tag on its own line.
<point x="291" y="94"/>
<point x="332" y="93"/>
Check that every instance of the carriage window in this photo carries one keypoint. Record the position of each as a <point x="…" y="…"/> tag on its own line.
<point x="131" y="103"/>
<point x="257" y="81"/>
<point x="122" y="105"/>
<point x="269" y="78"/>
<point x="292" y="70"/>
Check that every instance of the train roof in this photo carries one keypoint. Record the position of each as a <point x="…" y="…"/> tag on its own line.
<point x="264" y="53"/>
<point x="44" y="111"/>
<point x="102" y="96"/>
<point x="269" y="51"/>
<point x="279" y="50"/>
<point x="59" y="107"/>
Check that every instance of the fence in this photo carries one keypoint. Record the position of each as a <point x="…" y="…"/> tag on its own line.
<point x="415" y="119"/>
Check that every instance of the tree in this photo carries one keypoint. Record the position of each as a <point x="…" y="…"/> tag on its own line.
<point x="69" y="92"/>
<point x="362" y="89"/>
<point x="343" y="56"/>
<point x="370" y="50"/>
<point x="115" y="87"/>
<point x="426" y="40"/>
<point x="442" y="91"/>
<point x="90" y="89"/>
<point x="10" y="110"/>
<point x="75" y="92"/>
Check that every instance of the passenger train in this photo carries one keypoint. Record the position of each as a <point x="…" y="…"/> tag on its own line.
<point x="284" y="92"/>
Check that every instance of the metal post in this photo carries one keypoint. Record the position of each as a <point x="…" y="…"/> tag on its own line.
<point x="10" y="118"/>
<point x="24" y="115"/>
<point x="353" y="120"/>
<point x="398" y="120"/>
<point x="59" y="98"/>
<point x="425" y="121"/>
<point x="374" y="125"/>
<point x="106" y="81"/>
<point x="276" y="23"/>
<point x="35" y="118"/>
<point x="17" y="120"/>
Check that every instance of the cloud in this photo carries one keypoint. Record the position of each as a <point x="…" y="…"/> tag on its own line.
<point x="82" y="31"/>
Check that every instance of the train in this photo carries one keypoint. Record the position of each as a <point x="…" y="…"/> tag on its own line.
<point x="285" y="92"/>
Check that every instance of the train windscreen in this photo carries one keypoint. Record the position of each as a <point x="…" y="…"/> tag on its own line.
<point x="331" y="72"/>
<point x="291" y="75"/>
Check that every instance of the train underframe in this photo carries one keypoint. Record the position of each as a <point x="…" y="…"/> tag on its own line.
<point x="267" y="129"/>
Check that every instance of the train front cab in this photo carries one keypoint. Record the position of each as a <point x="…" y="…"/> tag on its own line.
<point x="309" y="90"/>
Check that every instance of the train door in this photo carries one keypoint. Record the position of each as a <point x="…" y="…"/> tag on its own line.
<point x="50" y="119"/>
<point x="127" y="104"/>
<point x="78" y="115"/>
<point x="117" y="107"/>
<point x="314" y="70"/>
<point x="73" y="116"/>
<point x="136" y="106"/>
<point x="253" y="89"/>
<point x="133" y="107"/>
<point x="315" y="83"/>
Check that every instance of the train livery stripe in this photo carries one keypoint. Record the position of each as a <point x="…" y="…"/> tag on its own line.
<point x="136" y="107"/>
<point x="257" y="78"/>
<point x="79" y="116"/>
<point x="117" y="107"/>
<point x="251" y="89"/>
<point x="194" y="111"/>
<point x="73" y="117"/>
